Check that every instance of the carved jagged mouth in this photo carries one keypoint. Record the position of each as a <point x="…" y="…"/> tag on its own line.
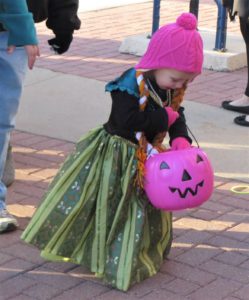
<point x="191" y="191"/>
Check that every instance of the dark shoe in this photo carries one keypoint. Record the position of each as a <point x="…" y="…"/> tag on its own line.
<point x="7" y="221"/>
<point x="9" y="169"/>
<point x="240" y="109"/>
<point x="241" y="120"/>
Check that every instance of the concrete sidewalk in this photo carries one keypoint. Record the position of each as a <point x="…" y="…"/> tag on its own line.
<point x="98" y="5"/>
<point x="63" y="98"/>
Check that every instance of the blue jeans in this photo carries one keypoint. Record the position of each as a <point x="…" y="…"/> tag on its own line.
<point x="13" y="68"/>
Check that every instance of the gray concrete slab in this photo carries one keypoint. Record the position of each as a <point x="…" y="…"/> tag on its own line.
<point x="103" y="4"/>
<point x="226" y="143"/>
<point x="66" y="106"/>
<point x="61" y="106"/>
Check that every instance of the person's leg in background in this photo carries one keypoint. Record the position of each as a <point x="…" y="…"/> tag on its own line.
<point x="13" y="69"/>
<point x="244" y="119"/>
<point x="242" y="104"/>
<point x="9" y="169"/>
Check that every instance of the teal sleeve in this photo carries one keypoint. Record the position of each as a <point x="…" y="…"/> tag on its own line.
<point x="127" y="82"/>
<point x="18" y="22"/>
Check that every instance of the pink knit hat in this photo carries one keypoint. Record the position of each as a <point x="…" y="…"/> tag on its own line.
<point x="176" y="46"/>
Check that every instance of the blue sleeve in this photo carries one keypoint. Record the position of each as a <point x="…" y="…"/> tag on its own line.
<point x="18" y="22"/>
<point x="127" y="82"/>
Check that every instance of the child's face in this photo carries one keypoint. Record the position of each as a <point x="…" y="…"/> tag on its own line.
<point x="172" y="79"/>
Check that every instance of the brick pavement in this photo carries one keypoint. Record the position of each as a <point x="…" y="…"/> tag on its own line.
<point x="209" y="257"/>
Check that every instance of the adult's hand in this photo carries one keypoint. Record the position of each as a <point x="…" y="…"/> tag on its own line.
<point x="32" y="52"/>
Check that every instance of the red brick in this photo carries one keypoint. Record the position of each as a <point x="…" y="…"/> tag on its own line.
<point x="242" y="292"/>
<point x="86" y="290"/>
<point x="226" y="271"/>
<point x="37" y="158"/>
<point x="19" y="136"/>
<point x="175" y="251"/>
<point x="162" y="295"/>
<point x="198" y="255"/>
<point x="181" y="287"/>
<point x="22" y="177"/>
<point x="66" y="148"/>
<point x="14" y="286"/>
<point x="234" y="216"/>
<point x="9" y="239"/>
<point x="218" y="289"/>
<point x="31" y="141"/>
<point x="53" y="278"/>
<point x="54" y="156"/>
<point x="43" y="184"/>
<point x="28" y="190"/>
<point x="228" y="244"/>
<point x="183" y="271"/>
<point x="46" y="173"/>
<point x="43" y="291"/>
<point x="13" y="267"/>
<point x="232" y="298"/>
<point x="22" y="297"/>
<point x="21" y="211"/>
<point x="25" y="168"/>
<point x="30" y="201"/>
<point x="231" y="258"/>
<point x="49" y="144"/>
<point x="216" y="207"/>
<point x="33" y="161"/>
<point x="193" y="237"/>
<point x="198" y="224"/>
<point x="205" y="214"/>
<point x="24" y="251"/>
<point x="114" y="294"/>
<point x="156" y="282"/>
<point x="4" y="258"/>
<point x="60" y="266"/>
<point x="245" y="265"/>
<point x="13" y="197"/>
<point x="238" y="232"/>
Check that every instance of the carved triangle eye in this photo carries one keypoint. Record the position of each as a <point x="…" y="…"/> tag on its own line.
<point x="199" y="159"/>
<point x="164" y="165"/>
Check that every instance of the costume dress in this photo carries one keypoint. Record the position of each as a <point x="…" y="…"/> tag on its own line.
<point x="93" y="213"/>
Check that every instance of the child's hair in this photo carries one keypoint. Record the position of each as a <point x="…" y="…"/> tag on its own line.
<point x="175" y="46"/>
<point x="145" y="148"/>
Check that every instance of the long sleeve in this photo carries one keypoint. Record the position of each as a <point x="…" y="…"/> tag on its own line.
<point x="179" y="128"/>
<point x="126" y="118"/>
<point x="18" y="22"/>
<point x="62" y="16"/>
<point x="126" y="114"/>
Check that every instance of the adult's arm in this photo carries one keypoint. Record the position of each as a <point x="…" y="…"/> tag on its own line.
<point x="62" y="16"/>
<point x="18" y="22"/>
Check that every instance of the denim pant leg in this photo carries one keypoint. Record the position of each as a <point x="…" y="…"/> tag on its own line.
<point x="13" y="68"/>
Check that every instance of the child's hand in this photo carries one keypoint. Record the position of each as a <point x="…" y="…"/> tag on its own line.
<point x="180" y="143"/>
<point x="172" y="115"/>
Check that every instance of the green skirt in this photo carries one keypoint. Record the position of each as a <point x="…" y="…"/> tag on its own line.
<point x="94" y="215"/>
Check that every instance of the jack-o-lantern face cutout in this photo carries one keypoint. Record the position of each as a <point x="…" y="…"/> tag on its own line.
<point x="178" y="179"/>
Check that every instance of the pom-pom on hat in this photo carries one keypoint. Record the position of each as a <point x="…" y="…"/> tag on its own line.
<point x="176" y="46"/>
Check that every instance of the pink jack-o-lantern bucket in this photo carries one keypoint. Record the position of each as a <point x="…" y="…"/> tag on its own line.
<point x="179" y="179"/>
